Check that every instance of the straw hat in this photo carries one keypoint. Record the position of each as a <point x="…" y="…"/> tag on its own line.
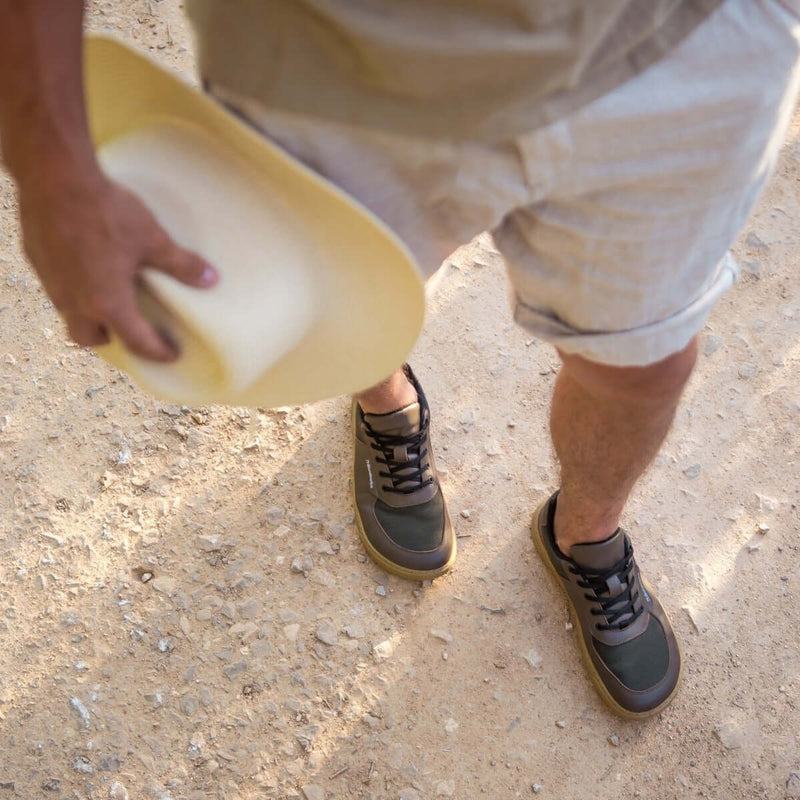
<point x="316" y="298"/>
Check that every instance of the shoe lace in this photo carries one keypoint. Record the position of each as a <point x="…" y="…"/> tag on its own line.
<point x="409" y="470"/>
<point x="612" y="590"/>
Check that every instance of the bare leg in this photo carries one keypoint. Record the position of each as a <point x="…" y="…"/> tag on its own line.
<point x="607" y="425"/>
<point x="389" y="395"/>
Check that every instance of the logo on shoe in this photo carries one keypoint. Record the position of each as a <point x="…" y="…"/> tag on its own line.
<point x="369" y="473"/>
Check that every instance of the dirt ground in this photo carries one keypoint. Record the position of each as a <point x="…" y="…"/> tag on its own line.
<point x="186" y="613"/>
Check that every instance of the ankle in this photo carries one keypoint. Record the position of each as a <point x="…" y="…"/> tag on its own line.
<point x="394" y="393"/>
<point x="581" y="525"/>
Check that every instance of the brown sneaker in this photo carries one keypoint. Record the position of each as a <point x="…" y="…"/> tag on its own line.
<point x="626" y="640"/>
<point x="400" y="511"/>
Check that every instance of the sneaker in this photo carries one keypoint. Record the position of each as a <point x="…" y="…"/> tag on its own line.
<point x="625" y="637"/>
<point x="400" y="511"/>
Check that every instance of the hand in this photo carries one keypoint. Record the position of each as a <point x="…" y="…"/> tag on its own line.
<point x="87" y="240"/>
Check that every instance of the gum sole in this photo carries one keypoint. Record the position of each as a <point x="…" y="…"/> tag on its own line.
<point x="397" y="569"/>
<point x="597" y="682"/>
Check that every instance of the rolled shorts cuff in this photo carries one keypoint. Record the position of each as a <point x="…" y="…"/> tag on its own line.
<point x="634" y="347"/>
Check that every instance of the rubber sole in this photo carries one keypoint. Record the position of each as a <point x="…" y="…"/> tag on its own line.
<point x="397" y="569"/>
<point x="594" y="677"/>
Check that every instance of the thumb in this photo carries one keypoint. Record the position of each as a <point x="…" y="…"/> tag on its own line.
<point x="183" y="265"/>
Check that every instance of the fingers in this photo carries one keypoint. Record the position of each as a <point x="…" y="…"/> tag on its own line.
<point x="85" y="332"/>
<point x="139" y="336"/>
<point x="183" y="265"/>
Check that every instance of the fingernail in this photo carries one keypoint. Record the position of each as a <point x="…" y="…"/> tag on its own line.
<point x="209" y="277"/>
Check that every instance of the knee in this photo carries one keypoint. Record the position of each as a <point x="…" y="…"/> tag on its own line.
<point x="652" y="383"/>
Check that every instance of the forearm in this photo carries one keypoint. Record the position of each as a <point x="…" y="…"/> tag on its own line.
<point x="43" y="129"/>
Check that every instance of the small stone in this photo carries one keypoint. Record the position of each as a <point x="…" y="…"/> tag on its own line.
<point x="117" y="791"/>
<point x="442" y="635"/>
<point x="232" y="671"/>
<point x="380" y="590"/>
<point x="146" y="576"/>
<point x="250" y="609"/>
<point x="754" y="242"/>
<point x="465" y="512"/>
<point x="319" y="514"/>
<point x="537" y="788"/>
<point x="731" y="735"/>
<point x="163" y="584"/>
<point x="313" y="792"/>
<point x="383" y="650"/>
<point x="188" y="705"/>
<point x="613" y="740"/>
<point x="355" y="630"/>
<point x="793" y="785"/>
<point x="533" y="658"/>
<point x="763" y="528"/>
<point x="446" y="788"/>
<point x="82" y="711"/>
<point x="326" y="633"/>
<point x="747" y="369"/>
<point x="451" y="726"/>
<point x="52" y="785"/>
<point x="752" y="266"/>
<point x="561" y="724"/>
<point x="753" y="546"/>
<point x="291" y="631"/>
<point x="82" y="764"/>
<point x="692" y="471"/>
<point x="712" y="344"/>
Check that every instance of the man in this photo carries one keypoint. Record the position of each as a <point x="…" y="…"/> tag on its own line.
<point x="614" y="148"/>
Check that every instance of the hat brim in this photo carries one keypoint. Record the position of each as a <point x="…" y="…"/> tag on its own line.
<point x="374" y="304"/>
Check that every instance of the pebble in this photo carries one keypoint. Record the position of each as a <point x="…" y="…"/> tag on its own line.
<point x="383" y="650"/>
<point x="446" y="788"/>
<point x="81" y="709"/>
<point x="793" y="785"/>
<point x="451" y="726"/>
<point x="692" y="471"/>
<point x="613" y="740"/>
<point x="231" y="671"/>
<point x="763" y="528"/>
<point x="355" y="630"/>
<point x="561" y="724"/>
<point x="326" y="633"/>
<point x="533" y="658"/>
<point x="711" y="344"/>
<point x="249" y="609"/>
<point x="290" y="631"/>
<point x="465" y="512"/>
<point x="164" y="584"/>
<point x="313" y="792"/>
<point x="117" y="791"/>
<point x="188" y="705"/>
<point x="731" y="735"/>
<point x="380" y="590"/>
<point x="442" y="635"/>
<point x="747" y="369"/>
<point x="537" y="788"/>
<point x="82" y="764"/>
<point x="146" y="576"/>
<point x="752" y="266"/>
<point x="755" y="242"/>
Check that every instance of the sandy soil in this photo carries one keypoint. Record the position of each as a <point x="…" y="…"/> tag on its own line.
<point x="229" y="674"/>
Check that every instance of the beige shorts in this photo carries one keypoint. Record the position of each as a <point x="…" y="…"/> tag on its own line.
<point x="614" y="222"/>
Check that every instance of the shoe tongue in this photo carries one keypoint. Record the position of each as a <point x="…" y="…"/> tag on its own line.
<point x="599" y="555"/>
<point x="399" y="423"/>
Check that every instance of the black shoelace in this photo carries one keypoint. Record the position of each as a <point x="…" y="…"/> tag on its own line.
<point x="620" y="609"/>
<point x="410" y="471"/>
